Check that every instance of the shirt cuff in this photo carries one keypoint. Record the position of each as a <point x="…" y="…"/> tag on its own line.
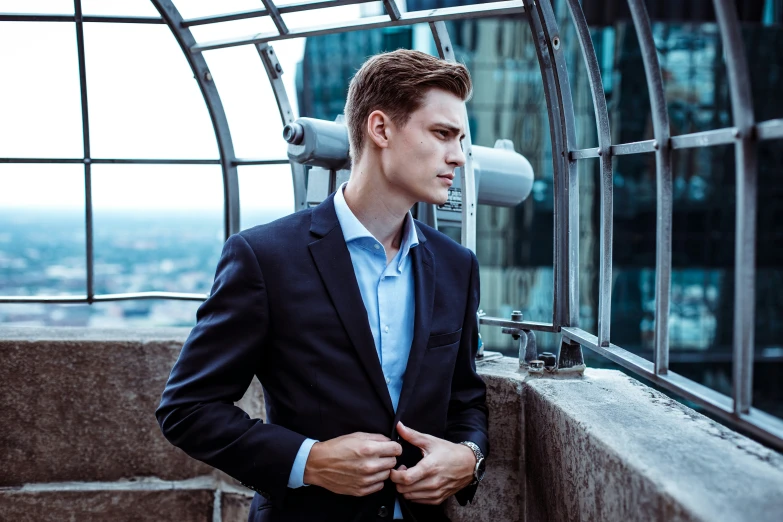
<point x="296" y="478"/>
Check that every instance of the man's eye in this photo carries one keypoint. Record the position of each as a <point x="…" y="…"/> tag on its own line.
<point x="443" y="133"/>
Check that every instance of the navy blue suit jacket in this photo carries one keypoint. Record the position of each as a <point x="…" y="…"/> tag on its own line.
<point x="285" y="307"/>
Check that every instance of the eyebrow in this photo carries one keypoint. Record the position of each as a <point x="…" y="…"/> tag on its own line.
<point x="452" y="129"/>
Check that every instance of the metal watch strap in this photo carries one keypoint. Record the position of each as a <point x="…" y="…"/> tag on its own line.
<point x="479" y="457"/>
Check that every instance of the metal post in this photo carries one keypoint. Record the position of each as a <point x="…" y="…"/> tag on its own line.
<point x="274" y="72"/>
<point x="746" y="167"/>
<point x="663" y="174"/>
<point x="391" y="9"/>
<point x="275" y="15"/>
<point x="446" y="51"/>
<point x="605" y="159"/>
<point x="202" y="75"/>
<point x="560" y="109"/>
<point x="88" y="220"/>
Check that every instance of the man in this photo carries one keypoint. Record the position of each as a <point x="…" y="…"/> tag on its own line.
<point x="359" y="322"/>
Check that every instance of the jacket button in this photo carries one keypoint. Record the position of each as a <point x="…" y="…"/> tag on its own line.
<point x="383" y="512"/>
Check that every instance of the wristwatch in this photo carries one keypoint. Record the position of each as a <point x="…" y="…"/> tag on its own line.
<point x="481" y="468"/>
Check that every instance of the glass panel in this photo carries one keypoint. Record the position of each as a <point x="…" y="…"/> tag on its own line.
<point x="142" y="97"/>
<point x="694" y="76"/>
<point x="627" y="94"/>
<point x="701" y="322"/>
<point x="116" y="314"/>
<point x="249" y="102"/>
<point x="119" y="8"/>
<point x="330" y="61"/>
<point x="42" y="236"/>
<point x="157" y="227"/>
<point x="768" y="370"/>
<point x="764" y="50"/>
<point x="40" y="97"/>
<point x="266" y="193"/>
<point x="198" y="8"/>
<point x="633" y="253"/>
<point x="37" y="7"/>
<point x="234" y="29"/>
<point x="331" y="15"/>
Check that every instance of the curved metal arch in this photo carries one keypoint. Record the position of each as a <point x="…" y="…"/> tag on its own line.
<point x="274" y="72"/>
<point x="446" y="51"/>
<point x="198" y="64"/>
<point x="605" y="160"/>
<point x="663" y="175"/>
<point x="746" y="165"/>
<point x="562" y="130"/>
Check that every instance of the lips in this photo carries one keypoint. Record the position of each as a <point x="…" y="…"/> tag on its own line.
<point x="449" y="176"/>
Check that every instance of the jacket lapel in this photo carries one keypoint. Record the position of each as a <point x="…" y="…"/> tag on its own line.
<point x="333" y="261"/>
<point x="424" y="283"/>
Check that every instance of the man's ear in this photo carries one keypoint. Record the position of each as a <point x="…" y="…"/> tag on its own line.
<point x="379" y="128"/>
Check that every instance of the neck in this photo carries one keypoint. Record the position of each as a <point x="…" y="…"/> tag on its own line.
<point x="381" y="211"/>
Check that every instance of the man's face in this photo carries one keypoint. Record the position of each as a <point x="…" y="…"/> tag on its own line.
<point x="420" y="160"/>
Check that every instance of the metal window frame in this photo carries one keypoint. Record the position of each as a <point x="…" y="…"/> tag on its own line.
<point x="744" y="135"/>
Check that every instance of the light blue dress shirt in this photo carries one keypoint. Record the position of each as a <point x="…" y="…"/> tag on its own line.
<point x="388" y="295"/>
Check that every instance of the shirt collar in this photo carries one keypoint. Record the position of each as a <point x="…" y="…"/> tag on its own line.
<point x="354" y="229"/>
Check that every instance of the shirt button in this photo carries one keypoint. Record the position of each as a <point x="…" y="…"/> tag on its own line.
<point x="388" y="381"/>
<point x="386" y="329"/>
<point x="377" y="246"/>
<point x="383" y="512"/>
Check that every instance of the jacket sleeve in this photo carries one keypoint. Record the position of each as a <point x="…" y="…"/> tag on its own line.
<point x="215" y="367"/>
<point x="467" y="415"/>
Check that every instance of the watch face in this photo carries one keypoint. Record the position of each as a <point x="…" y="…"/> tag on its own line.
<point x="481" y="468"/>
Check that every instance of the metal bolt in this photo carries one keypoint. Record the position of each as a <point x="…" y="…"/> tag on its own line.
<point x="278" y="68"/>
<point x="600" y="152"/>
<point x="516" y="315"/>
<point x="556" y="42"/>
<point x="655" y="145"/>
<point x="536" y="367"/>
<point x="736" y="133"/>
<point x="208" y="76"/>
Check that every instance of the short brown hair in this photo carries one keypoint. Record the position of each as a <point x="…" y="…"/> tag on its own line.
<point x="396" y="83"/>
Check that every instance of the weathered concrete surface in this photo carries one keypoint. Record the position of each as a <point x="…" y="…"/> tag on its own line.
<point x="500" y="495"/>
<point x="79" y="405"/>
<point x="234" y="507"/>
<point x="606" y="447"/>
<point x="102" y="506"/>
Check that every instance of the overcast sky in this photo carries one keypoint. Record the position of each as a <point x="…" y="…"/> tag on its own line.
<point x="143" y="103"/>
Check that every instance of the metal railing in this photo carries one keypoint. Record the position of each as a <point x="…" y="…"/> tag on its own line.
<point x="744" y="135"/>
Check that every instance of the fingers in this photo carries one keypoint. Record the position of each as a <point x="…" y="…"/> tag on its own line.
<point x="371" y="467"/>
<point x="409" y="476"/>
<point x="367" y="490"/>
<point x="385" y="449"/>
<point x="370" y="436"/>
<point x="419" y="440"/>
<point x="431" y="483"/>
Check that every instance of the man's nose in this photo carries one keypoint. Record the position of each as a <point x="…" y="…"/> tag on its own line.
<point x="456" y="156"/>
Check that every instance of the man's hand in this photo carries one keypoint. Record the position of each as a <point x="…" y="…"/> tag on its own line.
<point x="356" y="464"/>
<point x="445" y="469"/>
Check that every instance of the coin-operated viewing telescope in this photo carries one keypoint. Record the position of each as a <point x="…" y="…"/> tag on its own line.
<point x="503" y="177"/>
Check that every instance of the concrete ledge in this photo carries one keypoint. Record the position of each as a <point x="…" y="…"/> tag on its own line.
<point x="78" y="405"/>
<point x="100" y="506"/>
<point x="78" y="409"/>
<point x="606" y="447"/>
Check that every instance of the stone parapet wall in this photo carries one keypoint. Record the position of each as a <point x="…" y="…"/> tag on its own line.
<point x="79" y="441"/>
